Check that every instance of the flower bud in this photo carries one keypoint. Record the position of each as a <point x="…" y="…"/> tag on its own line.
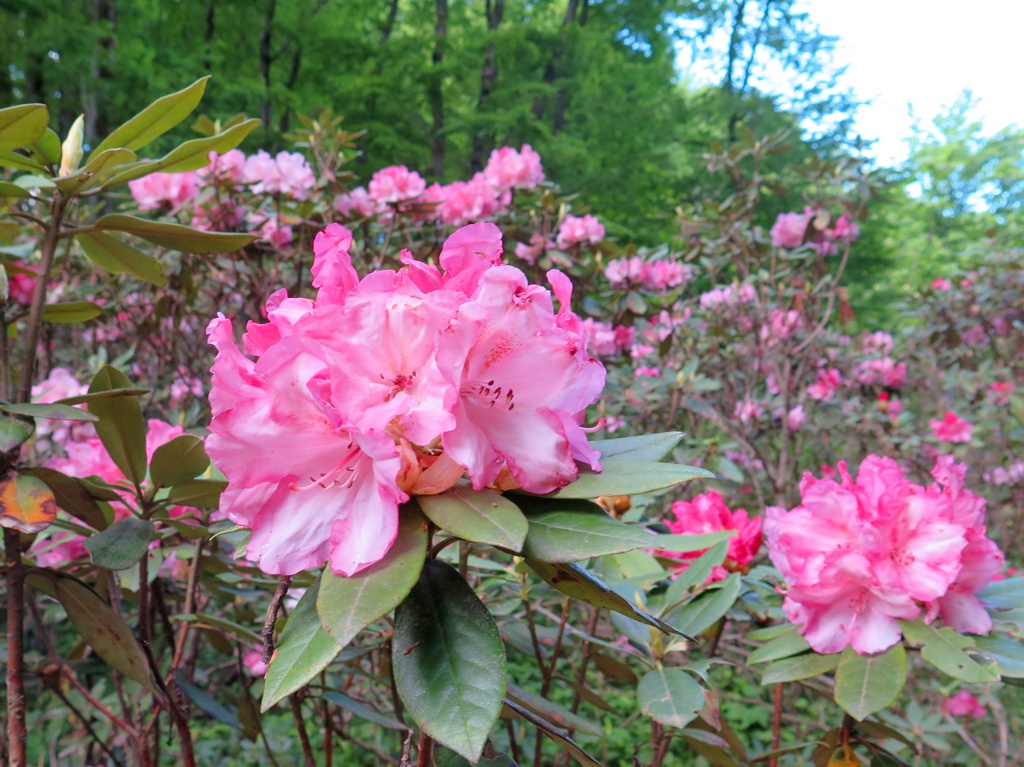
<point x="71" y="150"/>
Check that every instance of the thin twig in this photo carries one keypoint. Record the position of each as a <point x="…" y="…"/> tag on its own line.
<point x="267" y="635"/>
<point x="300" y="726"/>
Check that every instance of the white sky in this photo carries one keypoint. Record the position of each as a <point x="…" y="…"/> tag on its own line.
<point x="924" y="54"/>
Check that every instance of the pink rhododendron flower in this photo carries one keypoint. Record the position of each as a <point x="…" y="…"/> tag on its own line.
<point x="288" y="173"/>
<point x="664" y="274"/>
<point x="748" y="410"/>
<point x="964" y="703"/>
<point x="396" y="184"/>
<point x="858" y="555"/>
<point x="622" y="272"/>
<point x="20" y="287"/>
<point x="157" y="189"/>
<point x="878" y="342"/>
<point x="508" y="169"/>
<point x="1001" y="390"/>
<point x="781" y="326"/>
<point x="253" y="662"/>
<point x="708" y="513"/>
<point x="796" y="418"/>
<point x="359" y="202"/>
<point x="228" y="167"/>
<point x="580" y="230"/>
<point x="941" y="283"/>
<point x="881" y="372"/>
<point x="530" y="253"/>
<point x="353" y="396"/>
<point x="645" y="371"/>
<point x="789" y="229"/>
<point x="825" y="385"/>
<point x="952" y="428"/>
<point x="845" y="229"/>
<point x="465" y="201"/>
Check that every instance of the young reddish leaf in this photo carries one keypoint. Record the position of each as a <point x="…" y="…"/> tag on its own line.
<point x="26" y="503"/>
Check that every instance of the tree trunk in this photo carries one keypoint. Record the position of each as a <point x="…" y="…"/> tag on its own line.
<point x="488" y="76"/>
<point x="266" y="60"/>
<point x="435" y="92"/>
<point x="389" y="24"/>
<point x="211" y="29"/>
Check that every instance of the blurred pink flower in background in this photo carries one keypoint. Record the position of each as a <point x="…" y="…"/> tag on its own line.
<point x="825" y="385"/>
<point x="157" y="189"/>
<point x="509" y="169"/>
<point x="952" y="428"/>
<point x="580" y="230"/>
<point x="789" y="229"/>
<point x="964" y="703"/>
<point x="396" y="184"/>
<point x="941" y="283"/>
<point x="288" y="173"/>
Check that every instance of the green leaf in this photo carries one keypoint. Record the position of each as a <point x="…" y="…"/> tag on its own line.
<point x="191" y="155"/>
<point x="100" y="627"/>
<point x="198" y="493"/>
<point x="696" y="616"/>
<point x="443" y="757"/>
<point x="8" y="189"/>
<point x="1007" y="594"/>
<point x="47" y="149"/>
<point x="686" y="544"/>
<point x="799" y="667"/>
<point x="696" y="575"/>
<point x="360" y="709"/>
<point x="449" y="660"/>
<point x="568" y="532"/>
<point x="785" y="646"/>
<point x="101" y="166"/>
<point x="552" y="712"/>
<point x="122" y="544"/>
<point x="625" y="477"/>
<point x="131" y="391"/>
<point x="156" y="119"/>
<point x="207" y="621"/>
<point x="51" y="410"/>
<point x="22" y="125"/>
<point x="348" y="605"/>
<point x="303" y="651"/>
<point x="17" y="161"/>
<point x="14" y="432"/>
<point x="647" y="447"/>
<point x="121" y="427"/>
<point x="511" y="708"/>
<point x="174" y="236"/>
<point x="483" y="516"/>
<point x="866" y="684"/>
<point x="34" y="182"/>
<point x="944" y="649"/>
<point x="1008" y="653"/>
<point x="180" y="459"/>
<point x="117" y="257"/>
<point x="670" y="696"/>
<point x="71" y="312"/>
<point x="578" y="583"/>
<point x="207" y="703"/>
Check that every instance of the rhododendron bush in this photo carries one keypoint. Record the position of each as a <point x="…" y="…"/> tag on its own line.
<point x="346" y="470"/>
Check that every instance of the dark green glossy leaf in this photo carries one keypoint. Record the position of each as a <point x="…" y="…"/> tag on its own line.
<point x="1008" y="653"/>
<point x="303" y="651"/>
<point x="449" y="660"/>
<point x="558" y="715"/>
<point x="51" y="410"/>
<point x="686" y="544"/>
<point x="174" y="236"/>
<point x="569" y="532"/>
<point x="626" y="477"/>
<point x="695" y="576"/>
<point x="348" y="605"/>
<point x="131" y="391"/>
<point x="207" y="703"/>
<point x="117" y="257"/>
<point x="180" y="459"/>
<point x="799" y="667"/>
<point x="785" y="646"/>
<point x="122" y="544"/>
<point x="71" y="312"/>
<point x="670" y="696"/>
<point x="22" y="125"/>
<point x="512" y="709"/>
<point x="156" y="119"/>
<point x="198" y="493"/>
<point x="866" y="684"/>
<point x="483" y="516"/>
<point x="647" y="447"/>
<point x="700" y="614"/>
<point x="121" y="427"/>
<point x="946" y="650"/>
<point x="362" y="710"/>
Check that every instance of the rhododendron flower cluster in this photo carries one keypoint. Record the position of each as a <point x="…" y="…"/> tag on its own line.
<point x="952" y="428"/>
<point x="662" y="274"/>
<point x="393" y="385"/>
<point x="858" y="555"/>
<point x="158" y="189"/>
<point x="508" y="169"/>
<point x="790" y="228"/>
<point x="708" y="513"/>
<point x="579" y="230"/>
<point x="288" y="173"/>
<point x="965" y="704"/>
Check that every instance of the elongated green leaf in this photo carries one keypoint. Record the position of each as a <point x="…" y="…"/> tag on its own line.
<point x="700" y="614"/>
<point x="866" y="684"/>
<point x="8" y="189"/>
<point x="624" y="477"/>
<point x="567" y="531"/>
<point x="101" y="165"/>
<point x="799" y="667"/>
<point x="156" y="119"/>
<point x="512" y="709"/>
<point x="552" y="712"/>
<point x="449" y="660"/>
<point x="100" y="627"/>
<point x="785" y="646"/>
<point x="34" y="182"/>
<point x="207" y="703"/>
<point x="22" y="125"/>
<point x="578" y="583"/>
<point x="670" y="696"/>
<point x="83" y="398"/>
<point x="1009" y="654"/>
<point x="71" y="312"/>
<point x="14" y="432"/>
<point x="360" y="709"/>
<point x="180" y="459"/>
<point x="51" y="410"/>
<point x="1007" y="594"/>
<point x="47" y="149"/>
<point x="174" y="236"/>
<point x="696" y="575"/>
<point x="483" y="516"/>
<point x="122" y="544"/>
<point x="685" y="544"/>
<point x="445" y="758"/>
<point x="647" y="447"/>
<point x="207" y="621"/>
<point x="117" y="257"/>
<point x="121" y="427"/>
<point x="198" y="493"/>
<point x="17" y="161"/>
<point x="303" y="651"/>
<point x="348" y="605"/>
<point x="191" y="155"/>
<point x="946" y="650"/>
